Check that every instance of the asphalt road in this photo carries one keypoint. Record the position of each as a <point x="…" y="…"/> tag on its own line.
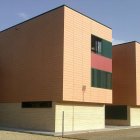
<point x="127" y="134"/>
<point x="12" y="135"/>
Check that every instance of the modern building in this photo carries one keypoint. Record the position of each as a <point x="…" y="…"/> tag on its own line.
<point x="58" y="62"/>
<point x="126" y="89"/>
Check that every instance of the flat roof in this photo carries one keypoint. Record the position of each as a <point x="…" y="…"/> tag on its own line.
<point x="51" y="11"/>
<point x="126" y="43"/>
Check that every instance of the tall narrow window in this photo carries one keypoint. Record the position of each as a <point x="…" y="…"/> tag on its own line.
<point x="109" y="80"/>
<point x="96" y="44"/>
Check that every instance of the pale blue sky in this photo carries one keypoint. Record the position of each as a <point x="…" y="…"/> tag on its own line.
<point x="123" y="16"/>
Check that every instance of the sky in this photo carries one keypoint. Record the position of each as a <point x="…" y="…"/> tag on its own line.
<point x="123" y="16"/>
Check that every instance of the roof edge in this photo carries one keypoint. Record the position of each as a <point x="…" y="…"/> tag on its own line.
<point x="126" y="43"/>
<point x="87" y="17"/>
<point x="51" y="11"/>
<point x="32" y="18"/>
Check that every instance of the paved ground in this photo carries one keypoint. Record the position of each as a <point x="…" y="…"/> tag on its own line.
<point x="9" y="135"/>
<point x="127" y="134"/>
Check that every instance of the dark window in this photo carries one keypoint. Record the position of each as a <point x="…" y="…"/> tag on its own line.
<point x="101" y="46"/>
<point x="101" y="79"/>
<point x="96" y="45"/>
<point x="116" y="112"/>
<point x="37" y="104"/>
<point x="109" y="80"/>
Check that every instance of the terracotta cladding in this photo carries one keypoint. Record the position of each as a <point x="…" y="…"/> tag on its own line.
<point x="31" y="59"/>
<point x="124" y="74"/>
<point x="77" y="58"/>
<point x="49" y="58"/>
<point x="137" y="73"/>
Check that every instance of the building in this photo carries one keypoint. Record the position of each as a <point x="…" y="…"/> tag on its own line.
<point x="126" y="81"/>
<point x="60" y="61"/>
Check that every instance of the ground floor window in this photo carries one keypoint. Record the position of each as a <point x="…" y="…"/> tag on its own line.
<point x="116" y="112"/>
<point x="37" y="104"/>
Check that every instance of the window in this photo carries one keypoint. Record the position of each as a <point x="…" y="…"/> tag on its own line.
<point x="101" y="79"/>
<point x="37" y="104"/>
<point x="101" y="46"/>
<point x="109" y="80"/>
<point x="116" y="112"/>
<point x="96" y="45"/>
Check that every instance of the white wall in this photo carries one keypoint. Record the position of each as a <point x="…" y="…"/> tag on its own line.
<point x="12" y="115"/>
<point x="135" y="116"/>
<point x="78" y="117"/>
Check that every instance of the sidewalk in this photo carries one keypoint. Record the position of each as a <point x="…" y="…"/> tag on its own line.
<point x="107" y="128"/>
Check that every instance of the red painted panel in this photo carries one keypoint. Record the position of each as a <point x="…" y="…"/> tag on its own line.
<point x="101" y="62"/>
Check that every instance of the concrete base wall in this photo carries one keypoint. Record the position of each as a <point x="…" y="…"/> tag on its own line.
<point x="117" y="122"/>
<point x="14" y="116"/>
<point x="78" y="117"/>
<point x="134" y="116"/>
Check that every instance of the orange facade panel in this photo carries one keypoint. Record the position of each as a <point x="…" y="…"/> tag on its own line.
<point x="49" y="58"/>
<point x="77" y="58"/>
<point x="137" y="73"/>
<point x="124" y="74"/>
<point x="31" y="59"/>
